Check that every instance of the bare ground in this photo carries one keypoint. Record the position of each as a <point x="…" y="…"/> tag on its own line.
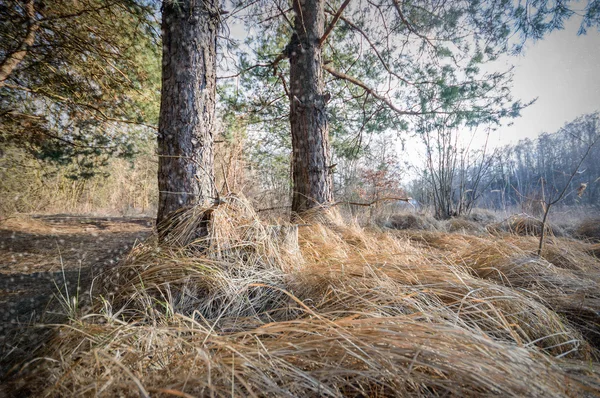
<point x="44" y="257"/>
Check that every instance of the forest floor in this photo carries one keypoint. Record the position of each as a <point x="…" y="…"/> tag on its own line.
<point x="42" y="255"/>
<point x="407" y="306"/>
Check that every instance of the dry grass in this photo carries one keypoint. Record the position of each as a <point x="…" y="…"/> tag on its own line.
<point x="524" y="225"/>
<point x="589" y="229"/>
<point x="391" y="356"/>
<point x="416" y="221"/>
<point x="354" y="312"/>
<point x="464" y="225"/>
<point x="482" y="216"/>
<point x="120" y="188"/>
<point x="594" y="250"/>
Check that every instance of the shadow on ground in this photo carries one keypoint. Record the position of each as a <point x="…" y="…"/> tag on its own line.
<point x="47" y="260"/>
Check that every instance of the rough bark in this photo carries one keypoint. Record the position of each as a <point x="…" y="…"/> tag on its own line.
<point x="185" y="136"/>
<point x="311" y="174"/>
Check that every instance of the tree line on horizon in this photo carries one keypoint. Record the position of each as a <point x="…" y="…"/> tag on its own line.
<point x="519" y="176"/>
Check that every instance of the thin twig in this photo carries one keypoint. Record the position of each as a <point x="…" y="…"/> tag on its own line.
<point x="369" y="204"/>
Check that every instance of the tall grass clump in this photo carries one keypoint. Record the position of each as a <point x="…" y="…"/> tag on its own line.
<point x="237" y="271"/>
<point x="411" y="221"/>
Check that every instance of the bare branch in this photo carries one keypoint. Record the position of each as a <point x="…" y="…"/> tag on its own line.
<point x="369" y="204"/>
<point x="549" y="204"/>
<point x="282" y="12"/>
<point x="285" y="88"/>
<point x="336" y="17"/>
<point x="374" y="48"/>
<point x="277" y="15"/>
<point x="589" y="148"/>
<point x="247" y="70"/>
<point x="273" y="64"/>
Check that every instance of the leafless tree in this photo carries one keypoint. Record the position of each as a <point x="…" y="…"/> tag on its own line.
<point x="550" y="201"/>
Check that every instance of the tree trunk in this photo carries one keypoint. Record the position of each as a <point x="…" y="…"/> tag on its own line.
<point x="311" y="174"/>
<point x="185" y="136"/>
<point x="13" y="59"/>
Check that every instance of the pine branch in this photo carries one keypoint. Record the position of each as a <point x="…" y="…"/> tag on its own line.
<point x="372" y="92"/>
<point x="336" y="17"/>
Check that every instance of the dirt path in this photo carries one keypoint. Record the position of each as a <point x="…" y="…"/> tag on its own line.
<point x="42" y="255"/>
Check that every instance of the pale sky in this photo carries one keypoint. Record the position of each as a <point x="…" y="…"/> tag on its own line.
<point x="563" y="71"/>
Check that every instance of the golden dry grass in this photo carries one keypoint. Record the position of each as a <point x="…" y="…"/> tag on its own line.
<point x="464" y="225"/>
<point x="594" y="250"/>
<point x="357" y="312"/>
<point x="411" y="221"/>
<point x="523" y="225"/>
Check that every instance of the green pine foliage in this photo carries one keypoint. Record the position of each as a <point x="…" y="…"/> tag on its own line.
<point x="88" y="86"/>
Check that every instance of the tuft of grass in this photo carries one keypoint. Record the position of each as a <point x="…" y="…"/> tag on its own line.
<point x="316" y="356"/>
<point x="594" y="250"/>
<point x="464" y="225"/>
<point x="524" y="225"/>
<point x="414" y="221"/>
<point x="482" y="216"/>
<point x="589" y="229"/>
